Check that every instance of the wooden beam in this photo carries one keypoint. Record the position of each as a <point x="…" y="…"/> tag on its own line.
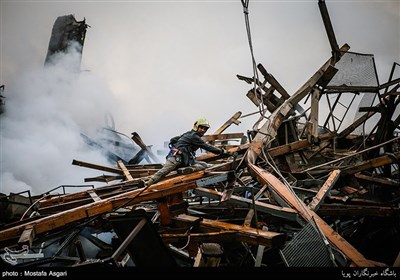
<point x="138" y="140"/>
<point x="277" y="211"/>
<point x="324" y="190"/>
<point x="225" y="136"/>
<point x="210" y="156"/>
<point x="271" y="79"/>
<point x="377" y="180"/>
<point x="125" y="171"/>
<point x="329" y="28"/>
<point x="96" y="166"/>
<point x="27" y="236"/>
<point x="260" y="253"/>
<point x="350" y="89"/>
<point x="245" y="234"/>
<point x="58" y="220"/>
<point x="270" y="128"/>
<point x="377" y="162"/>
<point x="101" y="191"/>
<point x="218" y="236"/>
<point x="234" y="119"/>
<point x="297" y="145"/>
<point x="94" y="196"/>
<point x="356" y="124"/>
<point x="307" y="214"/>
<point x="390" y="83"/>
<point x="152" y="166"/>
<point x="104" y="178"/>
<point x="357" y="210"/>
<point x="251" y="212"/>
<point x="372" y="163"/>
<point x="313" y="120"/>
<point x="161" y="189"/>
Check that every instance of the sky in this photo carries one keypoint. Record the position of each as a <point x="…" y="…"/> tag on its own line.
<point x="156" y="67"/>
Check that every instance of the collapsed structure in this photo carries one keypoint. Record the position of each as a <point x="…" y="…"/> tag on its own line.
<point x="302" y="192"/>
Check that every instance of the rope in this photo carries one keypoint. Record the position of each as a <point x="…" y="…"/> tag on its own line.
<point x="245" y="4"/>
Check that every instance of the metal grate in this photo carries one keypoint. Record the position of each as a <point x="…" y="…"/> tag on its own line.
<point x="307" y="249"/>
<point x="355" y="69"/>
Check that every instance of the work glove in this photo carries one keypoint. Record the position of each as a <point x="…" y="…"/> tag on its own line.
<point x="229" y="154"/>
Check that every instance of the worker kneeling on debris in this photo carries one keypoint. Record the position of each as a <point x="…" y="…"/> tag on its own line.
<point x="183" y="152"/>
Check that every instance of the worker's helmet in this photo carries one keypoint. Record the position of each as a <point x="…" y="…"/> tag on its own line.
<point x="201" y="122"/>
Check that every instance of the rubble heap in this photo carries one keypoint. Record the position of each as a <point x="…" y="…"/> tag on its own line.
<point x="301" y="192"/>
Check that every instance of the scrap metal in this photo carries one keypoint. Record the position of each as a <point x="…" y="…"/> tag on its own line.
<point x="301" y="191"/>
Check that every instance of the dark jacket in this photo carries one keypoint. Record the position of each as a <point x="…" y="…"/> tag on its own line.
<point x="188" y="143"/>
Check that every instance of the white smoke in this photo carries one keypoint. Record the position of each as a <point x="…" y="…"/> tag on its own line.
<point x="47" y="109"/>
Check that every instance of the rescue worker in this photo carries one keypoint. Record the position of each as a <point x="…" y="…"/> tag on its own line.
<point x="183" y="152"/>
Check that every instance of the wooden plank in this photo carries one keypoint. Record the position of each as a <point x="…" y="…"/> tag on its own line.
<point x="370" y="164"/>
<point x="297" y="145"/>
<point x="101" y="191"/>
<point x="390" y="83"/>
<point x="125" y="171"/>
<point x="126" y="242"/>
<point x="94" y="196"/>
<point x="245" y="234"/>
<point x="307" y="214"/>
<point x="336" y="199"/>
<point x="329" y="28"/>
<point x="161" y="189"/>
<point x="66" y="202"/>
<point x="234" y="119"/>
<point x="269" y="130"/>
<point x="250" y="214"/>
<point x="350" y="89"/>
<point x="138" y="140"/>
<point x="277" y="211"/>
<point x="248" y="218"/>
<point x="139" y="173"/>
<point x="260" y="253"/>
<point x="357" y="210"/>
<point x="225" y="136"/>
<point x="104" y="178"/>
<point x="313" y="133"/>
<point x="218" y="236"/>
<point x="96" y="166"/>
<point x="324" y="190"/>
<point x="377" y="162"/>
<point x="197" y="259"/>
<point x="153" y="166"/>
<point x="377" y="180"/>
<point x="288" y="148"/>
<point x="211" y="156"/>
<point x="27" y="236"/>
<point x="355" y="124"/>
<point x="252" y="96"/>
<point x="271" y="79"/>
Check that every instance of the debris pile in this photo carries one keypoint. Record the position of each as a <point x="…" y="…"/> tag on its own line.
<point x="301" y="192"/>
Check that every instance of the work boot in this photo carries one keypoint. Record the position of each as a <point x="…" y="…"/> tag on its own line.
<point x="185" y="170"/>
<point x="141" y="184"/>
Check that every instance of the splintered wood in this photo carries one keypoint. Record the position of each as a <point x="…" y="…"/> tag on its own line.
<point x="299" y="190"/>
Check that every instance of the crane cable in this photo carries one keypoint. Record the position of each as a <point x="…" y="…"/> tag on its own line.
<point x="261" y="108"/>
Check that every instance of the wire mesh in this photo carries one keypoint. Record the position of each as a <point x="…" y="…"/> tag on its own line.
<point x="355" y="69"/>
<point x="307" y="249"/>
